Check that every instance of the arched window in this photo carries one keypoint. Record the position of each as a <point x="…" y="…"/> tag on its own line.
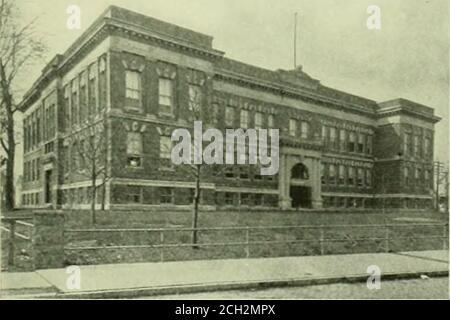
<point x="300" y="171"/>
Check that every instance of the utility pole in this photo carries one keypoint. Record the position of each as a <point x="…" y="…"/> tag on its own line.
<point x="446" y="191"/>
<point x="438" y="167"/>
<point x="441" y="173"/>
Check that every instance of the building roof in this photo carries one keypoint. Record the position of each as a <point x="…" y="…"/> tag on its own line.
<point x="407" y="107"/>
<point x="295" y="81"/>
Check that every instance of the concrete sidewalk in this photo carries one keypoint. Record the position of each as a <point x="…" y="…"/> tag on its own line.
<point x="131" y="280"/>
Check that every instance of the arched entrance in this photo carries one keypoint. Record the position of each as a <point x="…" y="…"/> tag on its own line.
<point x="300" y="189"/>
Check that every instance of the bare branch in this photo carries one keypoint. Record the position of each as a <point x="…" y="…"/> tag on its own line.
<point x="4" y="146"/>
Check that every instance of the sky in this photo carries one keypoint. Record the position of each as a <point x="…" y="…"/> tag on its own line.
<point x="408" y="57"/>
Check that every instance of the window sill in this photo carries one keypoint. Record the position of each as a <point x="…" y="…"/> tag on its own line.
<point x="133" y="109"/>
<point x="168" y="169"/>
<point x="166" y="115"/>
<point x="167" y="205"/>
<point x="134" y="168"/>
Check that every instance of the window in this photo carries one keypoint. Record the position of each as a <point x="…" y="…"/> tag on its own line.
<point x="195" y="97"/>
<point x="38" y="169"/>
<point x="243" y="173"/>
<point x="332" y="174"/>
<point x="229" y="172"/>
<point x="74" y="159"/>
<point x="66" y="163"/>
<point x="83" y="97"/>
<point x="166" y="196"/>
<point x="368" y="178"/>
<point x="304" y="129"/>
<point x="418" y="173"/>
<point x="351" y="176"/>
<point x="258" y="120"/>
<point x="133" y="84"/>
<point x="134" y="194"/>
<point x="244" y="119"/>
<point x="215" y="113"/>
<point x="427" y="177"/>
<point x="270" y="121"/>
<point x="165" y="149"/>
<point x="406" y="175"/>
<point x="166" y="95"/>
<point x="341" y="174"/>
<point x="52" y="110"/>
<point x="229" y="116"/>
<point x="92" y="90"/>
<point x="102" y="89"/>
<point x="369" y="144"/>
<point x="258" y="199"/>
<point x="257" y="173"/>
<point x="361" y="143"/>
<point x="324" y="133"/>
<point x="246" y="199"/>
<point x="40" y="121"/>
<point x="134" y="149"/>
<point x="322" y="173"/>
<point x="333" y="135"/>
<point x="229" y="198"/>
<point x="342" y="136"/>
<point x="352" y="142"/>
<point x="360" y="173"/>
<point x="74" y="105"/>
<point x="407" y="144"/>
<point x="32" y="169"/>
<point x="33" y="130"/>
<point x="292" y="127"/>
<point x="416" y="146"/>
<point x="427" y="144"/>
<point x="25" y="135"/>
<point x="66" y="110"/>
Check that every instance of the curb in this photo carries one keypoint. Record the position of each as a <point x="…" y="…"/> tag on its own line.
<point x="27" y="292"/>
<point x="224" y="286"/>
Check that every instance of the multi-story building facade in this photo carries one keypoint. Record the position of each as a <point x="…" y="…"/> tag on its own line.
<point x="138" y="75"/>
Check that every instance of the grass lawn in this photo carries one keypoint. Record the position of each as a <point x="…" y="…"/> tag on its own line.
<point x="173" y="220"/>
<point x="22" y="253"/>
<point x="348" y="235"/>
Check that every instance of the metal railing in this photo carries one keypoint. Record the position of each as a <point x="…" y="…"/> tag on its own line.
<point x="247" y="241"/>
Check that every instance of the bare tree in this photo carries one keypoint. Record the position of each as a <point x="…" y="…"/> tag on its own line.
<point x="196" y="113"/>
<point x="19" y="47"/>
<point x="90" y="147"/>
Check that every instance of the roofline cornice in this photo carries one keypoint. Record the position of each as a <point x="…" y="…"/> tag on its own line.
<point x="289" y="91"/>
<point x="105" y="27"/>
<point x="392" y="111"/>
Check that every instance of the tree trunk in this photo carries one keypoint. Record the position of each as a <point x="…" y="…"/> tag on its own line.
<point x="94" y="191"/>
<point x="103" y="196"/>
<point x="10" y="152"/>
<point x="195" y="209"/>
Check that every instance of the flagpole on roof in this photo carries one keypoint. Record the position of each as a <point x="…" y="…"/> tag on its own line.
<point x="295" y="40"/>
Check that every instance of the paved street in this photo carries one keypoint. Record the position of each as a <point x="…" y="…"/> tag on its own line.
<point x="436" y="288"/>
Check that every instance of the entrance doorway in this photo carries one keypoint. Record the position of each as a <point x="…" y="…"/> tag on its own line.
<point x="301" y="197"/>
<point x="48" y="186"/>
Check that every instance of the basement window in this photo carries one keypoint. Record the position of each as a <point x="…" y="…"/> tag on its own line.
<point x="166" y="196"/>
